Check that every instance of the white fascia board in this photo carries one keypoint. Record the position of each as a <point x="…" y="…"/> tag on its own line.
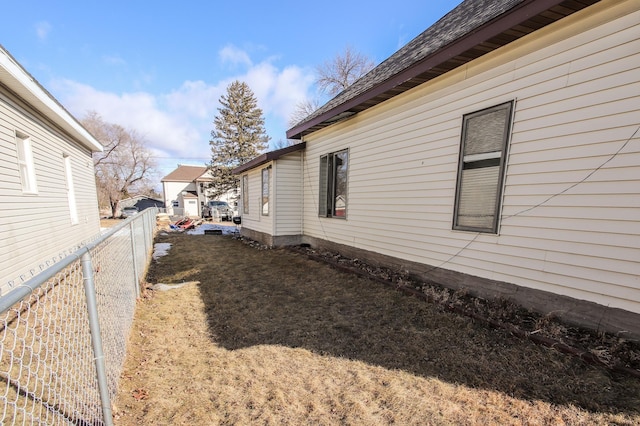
<point x="23" y="84"/>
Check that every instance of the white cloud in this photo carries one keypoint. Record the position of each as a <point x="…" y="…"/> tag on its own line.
<point x="278" y="90"/>
<point x="113" y="60"/>
<point x="195" y="98"/>
<point x="139" y="111"/>
<point x="178" y="124"/>
<point x="43" y="28"/>
<point x="234" y="56"/>
<point x="291" y="87"/>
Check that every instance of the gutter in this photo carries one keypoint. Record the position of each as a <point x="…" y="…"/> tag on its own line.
<point x="516" y="15"/>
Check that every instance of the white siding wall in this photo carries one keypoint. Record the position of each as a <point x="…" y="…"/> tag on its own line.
<point x="255" y="220"/>
<point x="287" y="173"/>
<point x="173" y="192"/>
<point x="577" y="85"/>
<point x="35" y="228"/>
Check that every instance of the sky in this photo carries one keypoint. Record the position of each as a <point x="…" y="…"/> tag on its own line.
<point x="159" y="68"/>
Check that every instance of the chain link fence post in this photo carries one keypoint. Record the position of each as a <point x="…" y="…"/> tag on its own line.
<point x="134" y="257"/>
<point x="64" y="332"/>
<point x="96" y="339"/>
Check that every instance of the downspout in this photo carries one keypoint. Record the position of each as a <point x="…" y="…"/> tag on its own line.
<point x="272" y="201"/>
<point x="303" y="154"/>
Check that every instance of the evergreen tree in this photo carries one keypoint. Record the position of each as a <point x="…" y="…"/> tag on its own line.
<point x="238" y="137"/>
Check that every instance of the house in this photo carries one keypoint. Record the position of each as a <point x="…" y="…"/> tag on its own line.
<point x="48" y="196"/>
<point x="498" y="151"/>
<point x="186" y="191"/>
<point x="271" y="196"/>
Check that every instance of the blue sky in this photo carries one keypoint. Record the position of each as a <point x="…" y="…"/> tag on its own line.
<point x="159" y="68"/>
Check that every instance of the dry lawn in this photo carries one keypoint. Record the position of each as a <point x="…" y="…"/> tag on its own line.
<point x="271" y="337"/>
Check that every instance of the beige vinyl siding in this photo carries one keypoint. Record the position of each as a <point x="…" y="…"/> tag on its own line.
<point x="36" y="228"/>
<point x="255" y="220"/>
<point x="577" y="91"/>
<point x="287" y="197"/>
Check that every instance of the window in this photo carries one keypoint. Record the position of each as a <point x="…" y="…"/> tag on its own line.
<point x="485" y="135"/>
<point x="266" y="173"/>
<point x="71" y="194"/>
<point x="245" y="194"/>
<point x="333" y="184"/>
<point x="25" y="164"/>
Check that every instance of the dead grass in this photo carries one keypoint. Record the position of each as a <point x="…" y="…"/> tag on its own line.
<point x="271" y="337"/>
<point x="108" y="223"/>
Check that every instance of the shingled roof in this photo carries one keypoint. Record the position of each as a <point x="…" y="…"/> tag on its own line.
<point x="185" y="173"/>
<point x="472" y="29"/>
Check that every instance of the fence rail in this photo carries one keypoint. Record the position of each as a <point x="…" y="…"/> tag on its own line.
<point x="64" y="332"/>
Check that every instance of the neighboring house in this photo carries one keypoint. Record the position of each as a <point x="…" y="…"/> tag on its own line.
<point x="48" y="197"/>
<point x="186" y="191"/>
<point x="498" y="151"/>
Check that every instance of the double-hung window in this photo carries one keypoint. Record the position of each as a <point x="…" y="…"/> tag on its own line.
<point x="245" y="194"/>
<point x="266" y="174"/>
<point x="25" y="164"/>
<point x="485" y="136"/>
<point x="333" y="184"/>
<point x="71" y="194"/>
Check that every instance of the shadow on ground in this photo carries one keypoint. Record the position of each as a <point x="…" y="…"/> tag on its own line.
<point x="277" y="297"/>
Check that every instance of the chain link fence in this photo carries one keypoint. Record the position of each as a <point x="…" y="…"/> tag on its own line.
<point x="64" y="332"/>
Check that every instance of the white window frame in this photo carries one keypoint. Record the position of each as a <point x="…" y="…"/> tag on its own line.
<point x="25" y="164"/>
<point x="71" y="193"/>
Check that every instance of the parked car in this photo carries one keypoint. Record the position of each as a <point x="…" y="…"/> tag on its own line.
<point x="217" y="209"/>
<point x="128" y="212"/>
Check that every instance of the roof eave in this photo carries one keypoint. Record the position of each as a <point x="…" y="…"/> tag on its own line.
<point x="515" y="16"/>
<point x="267" y="157"/>
<point x="20" y="82"/>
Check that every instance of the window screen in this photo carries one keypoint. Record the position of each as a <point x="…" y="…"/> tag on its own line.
<point x="485" y="135"/>
<point x="245" y="194"/>
<point x="332" y="188"/>
<point x="266" y="173"/>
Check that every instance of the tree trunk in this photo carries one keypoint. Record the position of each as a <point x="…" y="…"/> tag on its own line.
<point x="114" y="207"/>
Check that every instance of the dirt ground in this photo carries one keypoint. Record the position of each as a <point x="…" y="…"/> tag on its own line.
<point x="259" y="336"/>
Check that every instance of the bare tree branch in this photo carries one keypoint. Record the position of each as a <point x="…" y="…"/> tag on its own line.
<point x="342" y="71"/>
<point x="124" y="167"/>
<point x="302" y="110"/>
<point x="333" y="77"/>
